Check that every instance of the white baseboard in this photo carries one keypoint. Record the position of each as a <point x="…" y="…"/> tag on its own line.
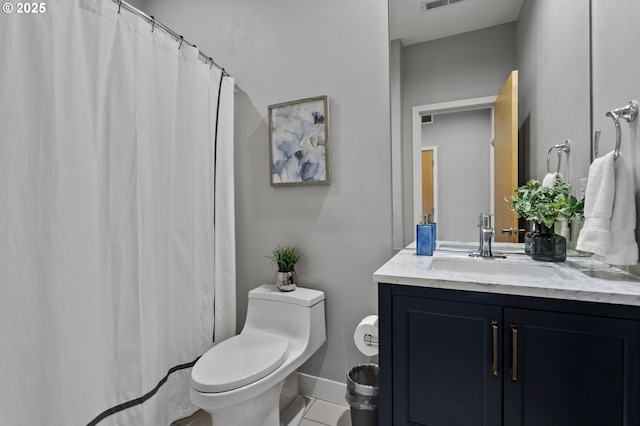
<point x="324" y="389"/>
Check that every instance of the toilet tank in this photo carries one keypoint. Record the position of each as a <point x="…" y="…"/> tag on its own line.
<point x="298" y="315"/>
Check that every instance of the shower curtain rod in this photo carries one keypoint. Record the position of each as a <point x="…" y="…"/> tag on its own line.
<point x="155" y="24"/>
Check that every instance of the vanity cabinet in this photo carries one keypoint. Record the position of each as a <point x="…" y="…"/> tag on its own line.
<point x="466" y="358"/>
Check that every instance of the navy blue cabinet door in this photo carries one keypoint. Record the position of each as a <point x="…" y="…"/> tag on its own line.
<point x="446" y="363"/>
<point x="570" y="369"/>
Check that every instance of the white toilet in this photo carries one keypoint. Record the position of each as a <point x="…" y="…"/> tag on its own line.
<point x="239" y="382"/>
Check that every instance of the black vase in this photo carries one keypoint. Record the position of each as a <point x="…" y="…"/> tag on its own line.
<point x="547" y="246"/>
<point x="528" y="237"/>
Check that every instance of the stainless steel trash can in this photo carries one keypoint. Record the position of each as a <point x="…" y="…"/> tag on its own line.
<point x="362" y="394"/>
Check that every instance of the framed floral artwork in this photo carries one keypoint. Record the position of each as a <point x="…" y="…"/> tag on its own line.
<point x="299" y="142"/>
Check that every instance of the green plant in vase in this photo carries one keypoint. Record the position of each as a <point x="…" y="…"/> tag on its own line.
<point x="575" y="209"/>
<point x="286" y="257"/>
<point x="522" y="203"/>
<point x="544" y="206"/>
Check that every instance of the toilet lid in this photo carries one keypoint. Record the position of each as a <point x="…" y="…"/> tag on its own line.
<point x="238" y="361"/>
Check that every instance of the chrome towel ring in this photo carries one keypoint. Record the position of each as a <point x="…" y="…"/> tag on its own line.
<point x="563" y="147"/>
<point x="629" y="113"/>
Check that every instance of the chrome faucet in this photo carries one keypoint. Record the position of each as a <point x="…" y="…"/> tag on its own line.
<point x="485" y="234"/>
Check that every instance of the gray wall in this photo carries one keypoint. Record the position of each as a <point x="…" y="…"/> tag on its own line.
<point x="553" y="64"/>
<point x="138" y="4"/>
<point x="557" y="89"/>
<point x="616" y="80"/>
<point x="395" y="67"/>
<point x="465" y="66"/>
<point x="285" y="50"/>
<point x="463" y="140"/>
<point x="345" y="227"/>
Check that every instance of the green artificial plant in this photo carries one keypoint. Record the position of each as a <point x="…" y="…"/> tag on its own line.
<point x="285" y="257"/>
<point x="545" y="204"/>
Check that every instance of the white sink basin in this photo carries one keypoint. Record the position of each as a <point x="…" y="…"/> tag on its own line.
<point x="496" y="267"/>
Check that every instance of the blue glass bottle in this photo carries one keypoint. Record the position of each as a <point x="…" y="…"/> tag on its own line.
<point x="425" y="238"/>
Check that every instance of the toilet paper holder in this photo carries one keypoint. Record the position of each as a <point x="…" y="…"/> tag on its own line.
<point x="370" y="340"/>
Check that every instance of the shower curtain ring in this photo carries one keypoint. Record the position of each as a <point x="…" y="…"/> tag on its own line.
<point x="119" y="5"/>
<point x="210" y="62"/>
<point x="153" y="23"/>
<point x="181" y="41"/>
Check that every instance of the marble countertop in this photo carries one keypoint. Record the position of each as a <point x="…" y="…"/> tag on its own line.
<point x="578" y="278"/>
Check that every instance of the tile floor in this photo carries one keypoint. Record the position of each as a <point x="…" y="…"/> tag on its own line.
<point x="318" y="413"/>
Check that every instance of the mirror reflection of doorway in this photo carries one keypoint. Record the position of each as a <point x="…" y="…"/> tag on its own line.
<point x="470" y="170"/>
<point x="463" y="141"/>
<point x="506" y="159"/>
<point x="429" y="156"/>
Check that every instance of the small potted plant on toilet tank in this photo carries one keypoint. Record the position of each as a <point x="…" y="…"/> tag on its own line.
<point x="285" y="257"/>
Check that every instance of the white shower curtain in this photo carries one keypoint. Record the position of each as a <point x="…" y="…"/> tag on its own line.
<point x="114" y="276"/>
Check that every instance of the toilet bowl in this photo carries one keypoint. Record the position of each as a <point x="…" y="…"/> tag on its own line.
<point x="239" y="382"/>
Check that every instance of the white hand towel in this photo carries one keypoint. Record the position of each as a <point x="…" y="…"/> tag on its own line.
<point x="551" y="178"/>
<point x="610" y="212"/>
<point x="623" y="249"/>
<point x="595" y="235"/>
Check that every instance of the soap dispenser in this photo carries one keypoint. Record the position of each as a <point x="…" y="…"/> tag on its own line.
<point x="425" y="236"/>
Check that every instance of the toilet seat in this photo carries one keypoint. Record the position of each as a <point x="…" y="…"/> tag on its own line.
<point x="238" y="361"/>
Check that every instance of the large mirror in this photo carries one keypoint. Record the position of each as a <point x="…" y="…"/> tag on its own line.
<point x="464" y="58"/>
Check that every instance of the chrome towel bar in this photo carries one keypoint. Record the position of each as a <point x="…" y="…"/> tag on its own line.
<point x="629" y="113"/>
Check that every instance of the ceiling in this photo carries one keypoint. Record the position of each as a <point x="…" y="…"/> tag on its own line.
<point x="411" y="22"/>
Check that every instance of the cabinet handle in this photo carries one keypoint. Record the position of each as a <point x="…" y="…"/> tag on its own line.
<point x="514" y="353"/>
<point x="494" y="363"/>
